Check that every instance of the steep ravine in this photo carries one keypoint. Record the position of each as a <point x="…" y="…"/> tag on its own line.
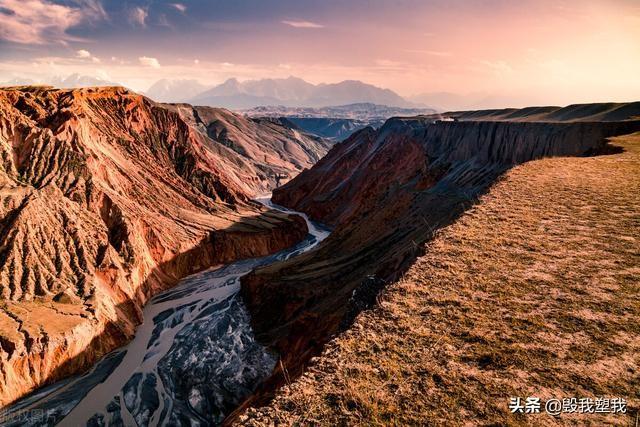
<point x="45" y="360"/>
<point x="534" y="289"/>
<point x="106" y="199"/>
<point x="193" y="359"/>
<point x="387" y="192"/>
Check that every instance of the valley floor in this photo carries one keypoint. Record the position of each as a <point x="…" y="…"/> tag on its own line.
<point x="535" y="291"/>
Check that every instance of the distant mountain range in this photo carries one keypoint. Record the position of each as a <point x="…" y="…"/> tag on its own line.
<point x="289" y="92"/>
<point x="234" y="94"/>
<point x="331" y="129"/>
<point x="71" y="81"/>
<point x="181" y="90"/>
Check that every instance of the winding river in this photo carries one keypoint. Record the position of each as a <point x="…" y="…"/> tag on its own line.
<point x="192" y="361"/>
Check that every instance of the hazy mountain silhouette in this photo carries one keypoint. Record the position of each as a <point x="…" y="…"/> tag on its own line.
<point x="180" y="90"/>
<point x="295" y="92"/>
<point x="72" y="81"/>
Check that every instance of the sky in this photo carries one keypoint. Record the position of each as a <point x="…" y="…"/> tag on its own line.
<point x="529" y="52"/>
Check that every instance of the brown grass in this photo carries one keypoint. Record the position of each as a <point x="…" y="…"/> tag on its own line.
<point x="533" y="292"/>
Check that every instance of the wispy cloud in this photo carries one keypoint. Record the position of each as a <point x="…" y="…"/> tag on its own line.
<point x="164" y="21"/>
<point x="93" y="9"/>
<point x="149" y="62"/>
<point x="499" y="67"/>
<point x="138" y="16"/>
<point x="429" y="52"/>
<point x="302" y="24"/>
<point x="85" y="54"/>
<point x="179" y="6"/>
<point x="43" y="22"/>
<point x="389" y="64"/>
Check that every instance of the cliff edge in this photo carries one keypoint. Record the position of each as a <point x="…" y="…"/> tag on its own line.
<point x="531" y="292"/>
<point x="387" y="193"/>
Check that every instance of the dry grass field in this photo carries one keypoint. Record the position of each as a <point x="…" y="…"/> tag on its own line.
<point x="535" y="291"/>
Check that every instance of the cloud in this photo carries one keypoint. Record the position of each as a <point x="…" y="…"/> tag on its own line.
<point x="164" y="22"/>
<point x="429" y="52"/>
<point x="387" y="63"/>
<point x="179" y="6"/>
<point x="118" y="60"/>
<point x="44" y="22"/>
<point x="302" y="24"/>
<point x="498" y="67"/>
<point x="138" y="16"/>
<point x="83" y="53"/>
<point x="149" y="62"/>
<point x="93" y="9"/>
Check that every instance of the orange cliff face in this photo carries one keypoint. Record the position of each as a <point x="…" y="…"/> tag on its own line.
<point x="275" y="146"/>
<point x="267" y="151"/>
<point x="107" y="198"/>
<point x="386" y="192"/>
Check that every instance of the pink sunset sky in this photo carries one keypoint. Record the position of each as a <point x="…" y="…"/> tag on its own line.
<point x="522" y="53"/>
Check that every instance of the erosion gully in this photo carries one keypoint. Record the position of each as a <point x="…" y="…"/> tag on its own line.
<point x="192" y="361"/>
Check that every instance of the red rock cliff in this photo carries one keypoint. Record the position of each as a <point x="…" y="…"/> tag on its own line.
<point x="107" y="198"/>
<point x="386" y="192"/>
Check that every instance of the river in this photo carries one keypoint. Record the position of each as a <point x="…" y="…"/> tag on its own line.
<point x="192" y="361"/>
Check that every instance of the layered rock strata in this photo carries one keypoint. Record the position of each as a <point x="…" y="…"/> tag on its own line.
<point x="387" y="192"/>
<point x="107" y="198"/>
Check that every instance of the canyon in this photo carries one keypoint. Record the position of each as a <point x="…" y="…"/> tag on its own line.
<point x="319" y="213"/>
<point x="108" y="198"/>
<point x="532" y="291"/>
<point x="192" y="361"/>
<point x="387" y="192"/>
<point x="118" y="211"/>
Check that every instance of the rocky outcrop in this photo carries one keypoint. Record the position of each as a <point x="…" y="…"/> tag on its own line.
<point x="107" y="198"/>
<point x="334" y="129"/>
<point x="271" y="151"/>
<point x="386" y="192"/>
<point x="600" y="112"/>
<point x="529" y="290"/>
<point x="363" y="170"/>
